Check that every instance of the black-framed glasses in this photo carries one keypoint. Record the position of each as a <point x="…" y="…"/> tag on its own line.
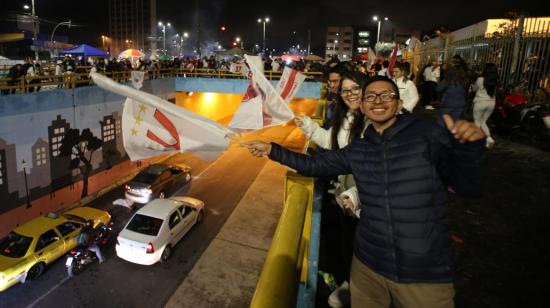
<point x="354" y="91"/>
<point x="384" y="96"/>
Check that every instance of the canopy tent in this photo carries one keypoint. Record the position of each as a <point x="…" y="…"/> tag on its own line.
<point x="85" y="51"/>
<point x="313" y="58"/>
<point x="290" y="58"/>
<point x="131" y="53"/>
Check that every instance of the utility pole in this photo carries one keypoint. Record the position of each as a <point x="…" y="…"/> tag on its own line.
<point x="197" y="16"/>
<point x="34" y="32"/>
<point x="308" y="41"/>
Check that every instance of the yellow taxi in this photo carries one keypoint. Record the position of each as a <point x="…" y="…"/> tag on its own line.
<point x="25" y="252"/>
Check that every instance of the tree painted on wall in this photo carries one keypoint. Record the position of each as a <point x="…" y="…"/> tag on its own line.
<point x="76" y="145"/>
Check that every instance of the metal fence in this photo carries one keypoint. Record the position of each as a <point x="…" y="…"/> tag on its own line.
<point x="521" y="51"/>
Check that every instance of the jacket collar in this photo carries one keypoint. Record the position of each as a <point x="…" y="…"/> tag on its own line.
<point x="401" y="122"/>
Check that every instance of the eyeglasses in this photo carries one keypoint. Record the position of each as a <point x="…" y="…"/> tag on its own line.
<point x="384" y="96"/>
<point x="354" y="91"/>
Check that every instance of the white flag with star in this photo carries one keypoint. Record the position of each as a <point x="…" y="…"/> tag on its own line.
<point x="152" y="126"/>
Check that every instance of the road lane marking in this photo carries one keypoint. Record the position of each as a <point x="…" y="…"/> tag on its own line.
<point x="47" y="293"/>
<point x="199" y="175"/>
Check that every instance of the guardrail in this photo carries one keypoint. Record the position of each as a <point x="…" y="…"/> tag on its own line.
<point x="286" y="262"/>
<point x="77" y="79"/>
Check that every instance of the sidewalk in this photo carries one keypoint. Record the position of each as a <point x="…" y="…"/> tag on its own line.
<point x="227" y="272"/>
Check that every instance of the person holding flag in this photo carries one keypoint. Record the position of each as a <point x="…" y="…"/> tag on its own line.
<point x="348" y="123"/>
<point x="403" y="165"/>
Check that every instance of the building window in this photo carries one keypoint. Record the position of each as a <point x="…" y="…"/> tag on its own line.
<point x="347" y="41"/>
<point x="332" y="33"/>
<point x="347" y="33"/>
<point x="364" y="34"/>
<point x="363" y="41"/>
<point x="40" y="156"/>
<point x="347" y="48"/>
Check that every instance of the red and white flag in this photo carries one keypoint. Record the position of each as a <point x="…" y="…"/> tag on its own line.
<point x="393" y="60"/>
<point x="262" y="106"/>
<point x="152" y="126"/>
<point x="291" y="80"/>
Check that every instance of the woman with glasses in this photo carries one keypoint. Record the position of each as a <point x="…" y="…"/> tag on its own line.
<point x="347" y="123"/>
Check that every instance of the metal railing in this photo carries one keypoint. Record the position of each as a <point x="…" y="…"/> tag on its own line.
<point x="286" y="264"/>
<point x="521" y="52"/>
<point x="71" y="80"/>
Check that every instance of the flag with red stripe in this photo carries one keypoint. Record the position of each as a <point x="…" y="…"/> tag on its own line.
<point x="262" y="106"/>
<point x="393" y="60"/>
<point x="291" y="80"/>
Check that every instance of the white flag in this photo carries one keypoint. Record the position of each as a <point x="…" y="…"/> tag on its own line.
<point x="260" y="92"/>
<point x="291" y="80"/>
<point x="152" y="126"/>
<point x="137" y="79"/>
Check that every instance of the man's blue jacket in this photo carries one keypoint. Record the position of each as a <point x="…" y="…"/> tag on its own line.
<point x="402" y="176"/>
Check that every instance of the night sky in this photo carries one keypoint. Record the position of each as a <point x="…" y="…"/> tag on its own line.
<point x="287" y="17"/>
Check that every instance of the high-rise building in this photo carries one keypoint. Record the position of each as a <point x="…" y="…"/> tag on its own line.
<point x="339" y="42"/>
<point x="132" y="24"/>
<point x="348" y="41"/>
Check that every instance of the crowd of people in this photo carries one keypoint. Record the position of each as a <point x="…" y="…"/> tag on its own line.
<point x="386" y="173"/>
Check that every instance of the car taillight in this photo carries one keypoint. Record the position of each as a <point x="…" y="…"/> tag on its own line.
<point x="150" y="248"/>
<point x="127" y="187"/>
<point x="117" y="239"/>
<point x="149" y="191"/>
<point x="72" y="252"/>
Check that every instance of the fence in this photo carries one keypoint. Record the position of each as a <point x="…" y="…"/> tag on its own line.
<point x="71" y="80"/>
<point x="520" y="49"/>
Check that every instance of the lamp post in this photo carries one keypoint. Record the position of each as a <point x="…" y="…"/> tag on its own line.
<point x="238" y="39"/>
<point x="34" y="27"/>
<point x="183" y="35"/>
<point x="379" y="20"/>
<point x="164" y="34"/>
<point x="24" y="166"/>
<point x="67" y="23"/>
<point x="264" y="21"/>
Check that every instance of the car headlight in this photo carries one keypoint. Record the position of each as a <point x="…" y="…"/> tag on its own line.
<point x="146" y="191"/>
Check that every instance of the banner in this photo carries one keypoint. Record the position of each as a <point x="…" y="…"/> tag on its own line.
<point x="152" y="126"/>
<point x="393" y="59"/>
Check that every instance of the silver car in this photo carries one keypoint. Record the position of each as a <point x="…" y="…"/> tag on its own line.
<point x="157" y="181"/>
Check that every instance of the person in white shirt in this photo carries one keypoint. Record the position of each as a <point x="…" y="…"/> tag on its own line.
<point x="348" y="122"/>
<point x="484" y="101"/>
<point x="384" y="70"/>
<point x="431" y="78"/>
<point x="407" y="89"/>
<point x="275" y="65"/>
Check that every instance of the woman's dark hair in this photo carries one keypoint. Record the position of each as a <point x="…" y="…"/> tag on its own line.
<point x="490" y="78"/>
<point x="341" y="109"/>
<point x="455" y="75"/>
<point x="405" y="68"/>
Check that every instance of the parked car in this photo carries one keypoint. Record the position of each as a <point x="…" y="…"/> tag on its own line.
<point x="156" y="228"/>
<point x="25" y="252"/>
<point x="156" y="181"/>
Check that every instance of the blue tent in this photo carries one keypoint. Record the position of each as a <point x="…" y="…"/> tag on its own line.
<point x="85" y="51"/>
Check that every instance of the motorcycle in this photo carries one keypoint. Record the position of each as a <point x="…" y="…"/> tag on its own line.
<point x="530" y="114"/>
<point x="80" y="257"/>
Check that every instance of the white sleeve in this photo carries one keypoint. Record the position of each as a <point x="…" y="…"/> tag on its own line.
<point x="413" y="96"/>
<point x="316" y="133"/>
<point x="353" y="195"/>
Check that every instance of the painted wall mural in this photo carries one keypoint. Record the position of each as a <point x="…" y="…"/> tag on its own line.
<point x="32" y="127"/>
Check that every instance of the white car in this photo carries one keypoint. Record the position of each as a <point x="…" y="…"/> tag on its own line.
<point x="156" y="228"/>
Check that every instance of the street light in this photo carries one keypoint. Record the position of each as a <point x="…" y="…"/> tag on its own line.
<point x="66" y="23"/>
<point x="375" y="18"/>
<point x="264" y="21"/>
<point x="238" y="39"/>
<point x="24" y="166"/>
<point x="34" y="28"/>
<point x="164" y="33"/>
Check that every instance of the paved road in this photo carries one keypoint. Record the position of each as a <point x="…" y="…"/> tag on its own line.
<point x="117" y="283"/>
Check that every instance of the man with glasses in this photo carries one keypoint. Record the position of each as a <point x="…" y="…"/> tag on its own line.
<point x="333" y="84"/>
<point x="403" y="167"/>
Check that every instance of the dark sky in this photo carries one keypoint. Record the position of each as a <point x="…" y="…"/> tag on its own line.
<point x="286" y="16"/>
